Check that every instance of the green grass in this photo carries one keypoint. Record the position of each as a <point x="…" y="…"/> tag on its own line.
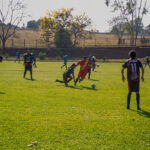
<point x="67" y="118"/>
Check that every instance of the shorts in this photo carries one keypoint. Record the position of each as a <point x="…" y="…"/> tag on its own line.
<point x="28" y="68"/>
<point x="133" y="86"/>
<point x="65" y="76"/>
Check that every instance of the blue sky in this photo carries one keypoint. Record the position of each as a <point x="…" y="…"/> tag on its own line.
<point x="95" y="9"/>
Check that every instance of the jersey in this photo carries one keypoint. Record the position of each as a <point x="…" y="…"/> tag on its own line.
<point x="133" y="69"/>
<point x="69" y="71"/>
<point x="84" y="64"/>
<point x="65" y="58"/>
<point x="28" y="60"/>
<point x="18" y="55"/>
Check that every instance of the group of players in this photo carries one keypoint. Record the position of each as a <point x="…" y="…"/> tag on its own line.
<point x="86" y="64"/>
<point x="133" y="66"/>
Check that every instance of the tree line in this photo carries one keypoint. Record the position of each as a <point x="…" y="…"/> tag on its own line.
<point x="62" y="28"/>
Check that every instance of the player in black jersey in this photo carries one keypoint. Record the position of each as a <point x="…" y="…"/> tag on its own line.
<point x="28" y="60"/>
<point x="1" y="58"/>
<point x="133" y="66"/>
<point x="68" y="75"/>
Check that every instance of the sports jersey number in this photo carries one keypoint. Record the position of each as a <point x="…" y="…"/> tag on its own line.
<point x="133" y="65"/>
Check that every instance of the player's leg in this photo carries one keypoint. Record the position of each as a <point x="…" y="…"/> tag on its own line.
<point x="138" y="100"/>
<point x="25" y="71"/>
<point x="70" y="78"/>
<point x="30" y="69"/>
<point x="128" y="100"/>
<point x="130" y="85"/>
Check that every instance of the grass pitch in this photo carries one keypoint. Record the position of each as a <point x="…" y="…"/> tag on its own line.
<point x="71" y="118"/>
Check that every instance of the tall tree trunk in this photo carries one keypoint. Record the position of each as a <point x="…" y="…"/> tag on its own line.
<point x="3" y="44"/>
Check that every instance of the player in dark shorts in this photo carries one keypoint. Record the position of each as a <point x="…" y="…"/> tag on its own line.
<point x="147" y="62"/>
<point x="1" y="58"/>
<point x="65" y="61"/>
<point x="133" y="66"/>
<point x="18" y="54"/>
<point x="89" y="69"/>
<point x="28" y="60"/>
<point x="68" y="75"/>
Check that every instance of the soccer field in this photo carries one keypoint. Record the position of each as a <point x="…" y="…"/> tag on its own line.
<point x="71" y="118"/>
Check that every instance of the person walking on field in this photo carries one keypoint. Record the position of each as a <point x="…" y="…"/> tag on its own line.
<point x="28" y="60"/>
<point x="65" y="61"/>
<point x="133" y="66"/>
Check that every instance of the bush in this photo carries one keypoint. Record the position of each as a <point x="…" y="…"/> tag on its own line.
<point x="6" y="56"/>
<point x="62" y="38"/>
<point x="42" y="56"/>
<point x="104" y="58"/>
<point x="58" y="58"/>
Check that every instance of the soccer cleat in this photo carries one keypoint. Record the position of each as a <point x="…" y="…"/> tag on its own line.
<point x="128" y="107"/>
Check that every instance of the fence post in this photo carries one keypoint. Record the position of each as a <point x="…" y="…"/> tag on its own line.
<point x="24" y="43"/>
<point x="36" y="43"/>
<point x="12" y="42"/>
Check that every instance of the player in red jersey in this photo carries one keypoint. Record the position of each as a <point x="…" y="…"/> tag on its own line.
<point x="83" y="69"/>
<point x="133" y="66"/>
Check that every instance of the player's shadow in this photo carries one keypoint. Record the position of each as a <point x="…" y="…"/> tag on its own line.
<point x="88" y="88"/>
<point x="2" y="93"/>
<point x="144" y="113"/>
<point x="30" y="79"/>
<point x="93" y="80"/>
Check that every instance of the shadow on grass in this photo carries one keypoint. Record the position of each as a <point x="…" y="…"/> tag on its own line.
<point x="144" y="113"/>
<point x="88" y="88"/>
<point x="2" y="93"/>
<point x="79" y="87"/>
<point x="30" y="79"/>
<point x="93" y="80"/>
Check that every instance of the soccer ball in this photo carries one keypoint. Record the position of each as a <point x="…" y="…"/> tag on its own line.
<point x="93" y="85"/>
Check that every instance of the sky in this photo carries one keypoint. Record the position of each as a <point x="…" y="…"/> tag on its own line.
<point x="95" y="9"/>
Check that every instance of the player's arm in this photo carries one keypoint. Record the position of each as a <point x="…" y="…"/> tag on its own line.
<point x="73" y="76"/>
<point x="122" y="72"/>
<point x="142" y="68"/>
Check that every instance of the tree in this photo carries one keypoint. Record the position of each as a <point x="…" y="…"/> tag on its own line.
<point x="33" y="25"/>
<point x="132" y="12"/>
<point x="53" y="21"/>
<point x="47" y="26"/>
<point x="11" y="15"/>
<point x="78" y="25"/>
<point x="118" y="28"/>
<point x="62" y="38"/>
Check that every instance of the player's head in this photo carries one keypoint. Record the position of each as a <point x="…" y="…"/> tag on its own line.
<point x="1" y="58"/>
<point x="132" y="54"/>
<point x="73" y="65"/>
<point x="84" y="57"/>
<point x="28" y="51"/>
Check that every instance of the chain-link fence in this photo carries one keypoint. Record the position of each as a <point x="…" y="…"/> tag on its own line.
<point x="82" y="43"/>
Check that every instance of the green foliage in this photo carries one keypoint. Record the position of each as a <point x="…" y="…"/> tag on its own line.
<point x="6" y="56"/>
<point x="42" y="56"/>
<point x="34" y="25"/>
<point x="62" y="38"/>
<point x="71" y="118"/>
<point x="58" y="58"/>
<point x="104" y="58"/>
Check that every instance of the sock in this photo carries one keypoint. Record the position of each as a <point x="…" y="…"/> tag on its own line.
<point x="138" y="100"/>
<point x="128" y="100"/>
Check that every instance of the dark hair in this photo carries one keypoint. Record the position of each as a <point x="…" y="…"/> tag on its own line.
<point x="132" y="54"/>
<point x="84" y="57"/>
<point x="73" y="65"/>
